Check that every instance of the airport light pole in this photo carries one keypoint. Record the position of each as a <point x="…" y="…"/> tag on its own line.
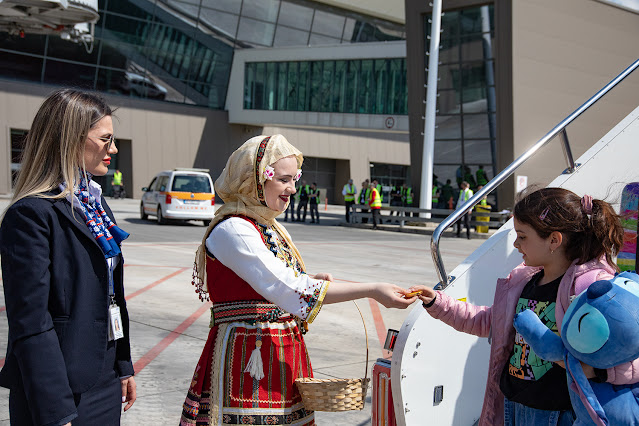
<point x="428" y="154"/>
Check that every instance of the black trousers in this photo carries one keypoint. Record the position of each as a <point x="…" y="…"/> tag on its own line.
<point x="291" y="208"/>
<point x="348" y="210"/>
<point x="466" y="219"/>
<point x="302" y="205"/>
<point x="314" y="213"/>
<point x="100" y="405"/>
<point x="118" y="191"/>
<point x="376" y="218"/>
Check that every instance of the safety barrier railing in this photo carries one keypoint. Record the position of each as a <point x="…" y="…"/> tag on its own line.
<point x="413" y="215"/>
<point x="559" y="129"/>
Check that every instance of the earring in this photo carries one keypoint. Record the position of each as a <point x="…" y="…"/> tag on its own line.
<point x="552" y="251"/>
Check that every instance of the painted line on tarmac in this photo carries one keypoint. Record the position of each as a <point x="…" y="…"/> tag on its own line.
<point x="378" y="320"/>
<point x="164" y="343"/>
<point x="380" y="327"/>
<point x="153" y="284"/>
<point x="137" y="293"/>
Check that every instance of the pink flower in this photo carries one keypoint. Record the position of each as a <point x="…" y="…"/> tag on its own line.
<point x="269" y="172"/>
<point x="298" y="176"/>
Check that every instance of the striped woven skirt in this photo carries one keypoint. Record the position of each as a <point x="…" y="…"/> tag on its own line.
<point x="221" y="393"/>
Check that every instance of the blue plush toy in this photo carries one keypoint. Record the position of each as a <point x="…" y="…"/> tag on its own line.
<point x="601" y="329"/>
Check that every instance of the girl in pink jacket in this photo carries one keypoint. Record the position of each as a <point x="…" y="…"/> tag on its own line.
<point x="567" y="243"/>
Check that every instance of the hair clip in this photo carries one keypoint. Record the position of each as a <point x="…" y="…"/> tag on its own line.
<point x="269" y="172"/>
<point x="586" y="203"/>
<point x="543" y="214"/>
<point x="298" y="175"/>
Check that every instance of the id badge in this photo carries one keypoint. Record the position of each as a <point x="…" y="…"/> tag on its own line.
<point x="115" y="330"/>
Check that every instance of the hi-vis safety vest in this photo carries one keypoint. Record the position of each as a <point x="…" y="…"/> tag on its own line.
<point x="350" y="192"/>
<point x="302" y="193"/>
<point x="408" y="195"/>
<point x="375" y="200"/>
<point x="379" y="191"/>
<point x="117" y="178"/>
<point x="435" y="199"/>
<point x="464" y="196"/>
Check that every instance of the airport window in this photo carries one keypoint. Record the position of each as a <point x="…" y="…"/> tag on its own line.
<point x="465" y="136"/>
<point x="181" y="50"/>
<point x="389" y="175"/>
<point x="368" y="86"/>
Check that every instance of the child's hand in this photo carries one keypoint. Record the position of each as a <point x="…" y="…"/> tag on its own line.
<point x="427" y="294"/>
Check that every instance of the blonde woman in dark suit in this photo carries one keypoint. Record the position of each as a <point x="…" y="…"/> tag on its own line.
<point x="62" y="271"/>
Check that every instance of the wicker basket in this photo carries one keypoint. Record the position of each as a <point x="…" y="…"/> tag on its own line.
<point x="335" y="394"/>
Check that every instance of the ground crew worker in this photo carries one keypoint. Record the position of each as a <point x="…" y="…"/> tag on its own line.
<point x="291" y="205"/>
<point x="407" y="195"/>
<point x="117" y="184"/>
<point x="435" y="197"/>
<point x="303" y="200"/>
<point x="464" y="195"/>
<point x="446" y="195"/>
<point x="482" y="179"/>
<point x="313" y="201"/>
<point x="379" y="190"/>
<point x="375" y="203"/>
<point x="396" y="198"/>
<point x="364" y="194"/>
<point x="349" y="192"/>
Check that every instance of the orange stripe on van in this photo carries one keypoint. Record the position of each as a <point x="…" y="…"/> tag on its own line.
<point x="187" y="195"/>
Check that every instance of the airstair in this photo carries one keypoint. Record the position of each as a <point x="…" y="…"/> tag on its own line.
<point x="438" y="375"/>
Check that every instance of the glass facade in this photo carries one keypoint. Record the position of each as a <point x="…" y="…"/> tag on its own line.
<point x="465" y="137"/>
<point x="139" y="50"/>
<point x="363" y="86"/>
<point x="277" y="23"/>
<point x="179" y="50"/>
<point x="322" y="172"/>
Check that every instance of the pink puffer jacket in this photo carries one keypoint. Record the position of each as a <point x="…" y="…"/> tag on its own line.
<point x="496" y="323"/>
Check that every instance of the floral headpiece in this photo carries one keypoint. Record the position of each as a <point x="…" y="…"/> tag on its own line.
<point x="269" y="173"/>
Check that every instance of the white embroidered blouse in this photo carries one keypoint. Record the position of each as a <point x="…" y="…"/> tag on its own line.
<point x="239" y="246"/>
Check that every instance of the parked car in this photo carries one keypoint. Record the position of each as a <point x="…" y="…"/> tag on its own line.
<point x="142" y="86"/>
<point x="183" y="194"/>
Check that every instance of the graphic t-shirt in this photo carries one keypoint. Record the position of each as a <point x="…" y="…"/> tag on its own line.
<point x="526" y="377"/>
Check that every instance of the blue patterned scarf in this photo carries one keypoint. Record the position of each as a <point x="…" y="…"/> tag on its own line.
<point x="106" y="233"/>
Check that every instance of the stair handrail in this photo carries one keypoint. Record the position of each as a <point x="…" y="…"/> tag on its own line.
<point x="444" y="279"/>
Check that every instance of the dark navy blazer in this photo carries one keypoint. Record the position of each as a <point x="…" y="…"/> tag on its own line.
<point x="56" y="294"/>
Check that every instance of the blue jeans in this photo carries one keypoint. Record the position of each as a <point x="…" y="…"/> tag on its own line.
<point x="516" y="414"/>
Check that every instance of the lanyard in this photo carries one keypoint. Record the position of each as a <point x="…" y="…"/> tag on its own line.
<point x="111" y="263"/>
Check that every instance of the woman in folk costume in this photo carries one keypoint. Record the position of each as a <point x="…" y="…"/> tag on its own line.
<point x="262" y="297"/>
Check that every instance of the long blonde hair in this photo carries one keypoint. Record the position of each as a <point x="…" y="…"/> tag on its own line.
<point x="54" y="147"/>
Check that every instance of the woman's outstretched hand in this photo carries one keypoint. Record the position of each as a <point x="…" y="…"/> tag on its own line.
<point x="323" y="276"/>
<point x="427" y="294"/>
<point x="392" y="296"/>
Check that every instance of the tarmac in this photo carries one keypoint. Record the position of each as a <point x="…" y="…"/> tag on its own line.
<point x="169" y="325"/>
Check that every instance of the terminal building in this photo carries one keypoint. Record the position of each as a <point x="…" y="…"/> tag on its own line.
<point x="344" y="81"/>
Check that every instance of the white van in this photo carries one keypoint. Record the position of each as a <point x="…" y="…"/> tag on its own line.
<point x="183" y="194"/>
